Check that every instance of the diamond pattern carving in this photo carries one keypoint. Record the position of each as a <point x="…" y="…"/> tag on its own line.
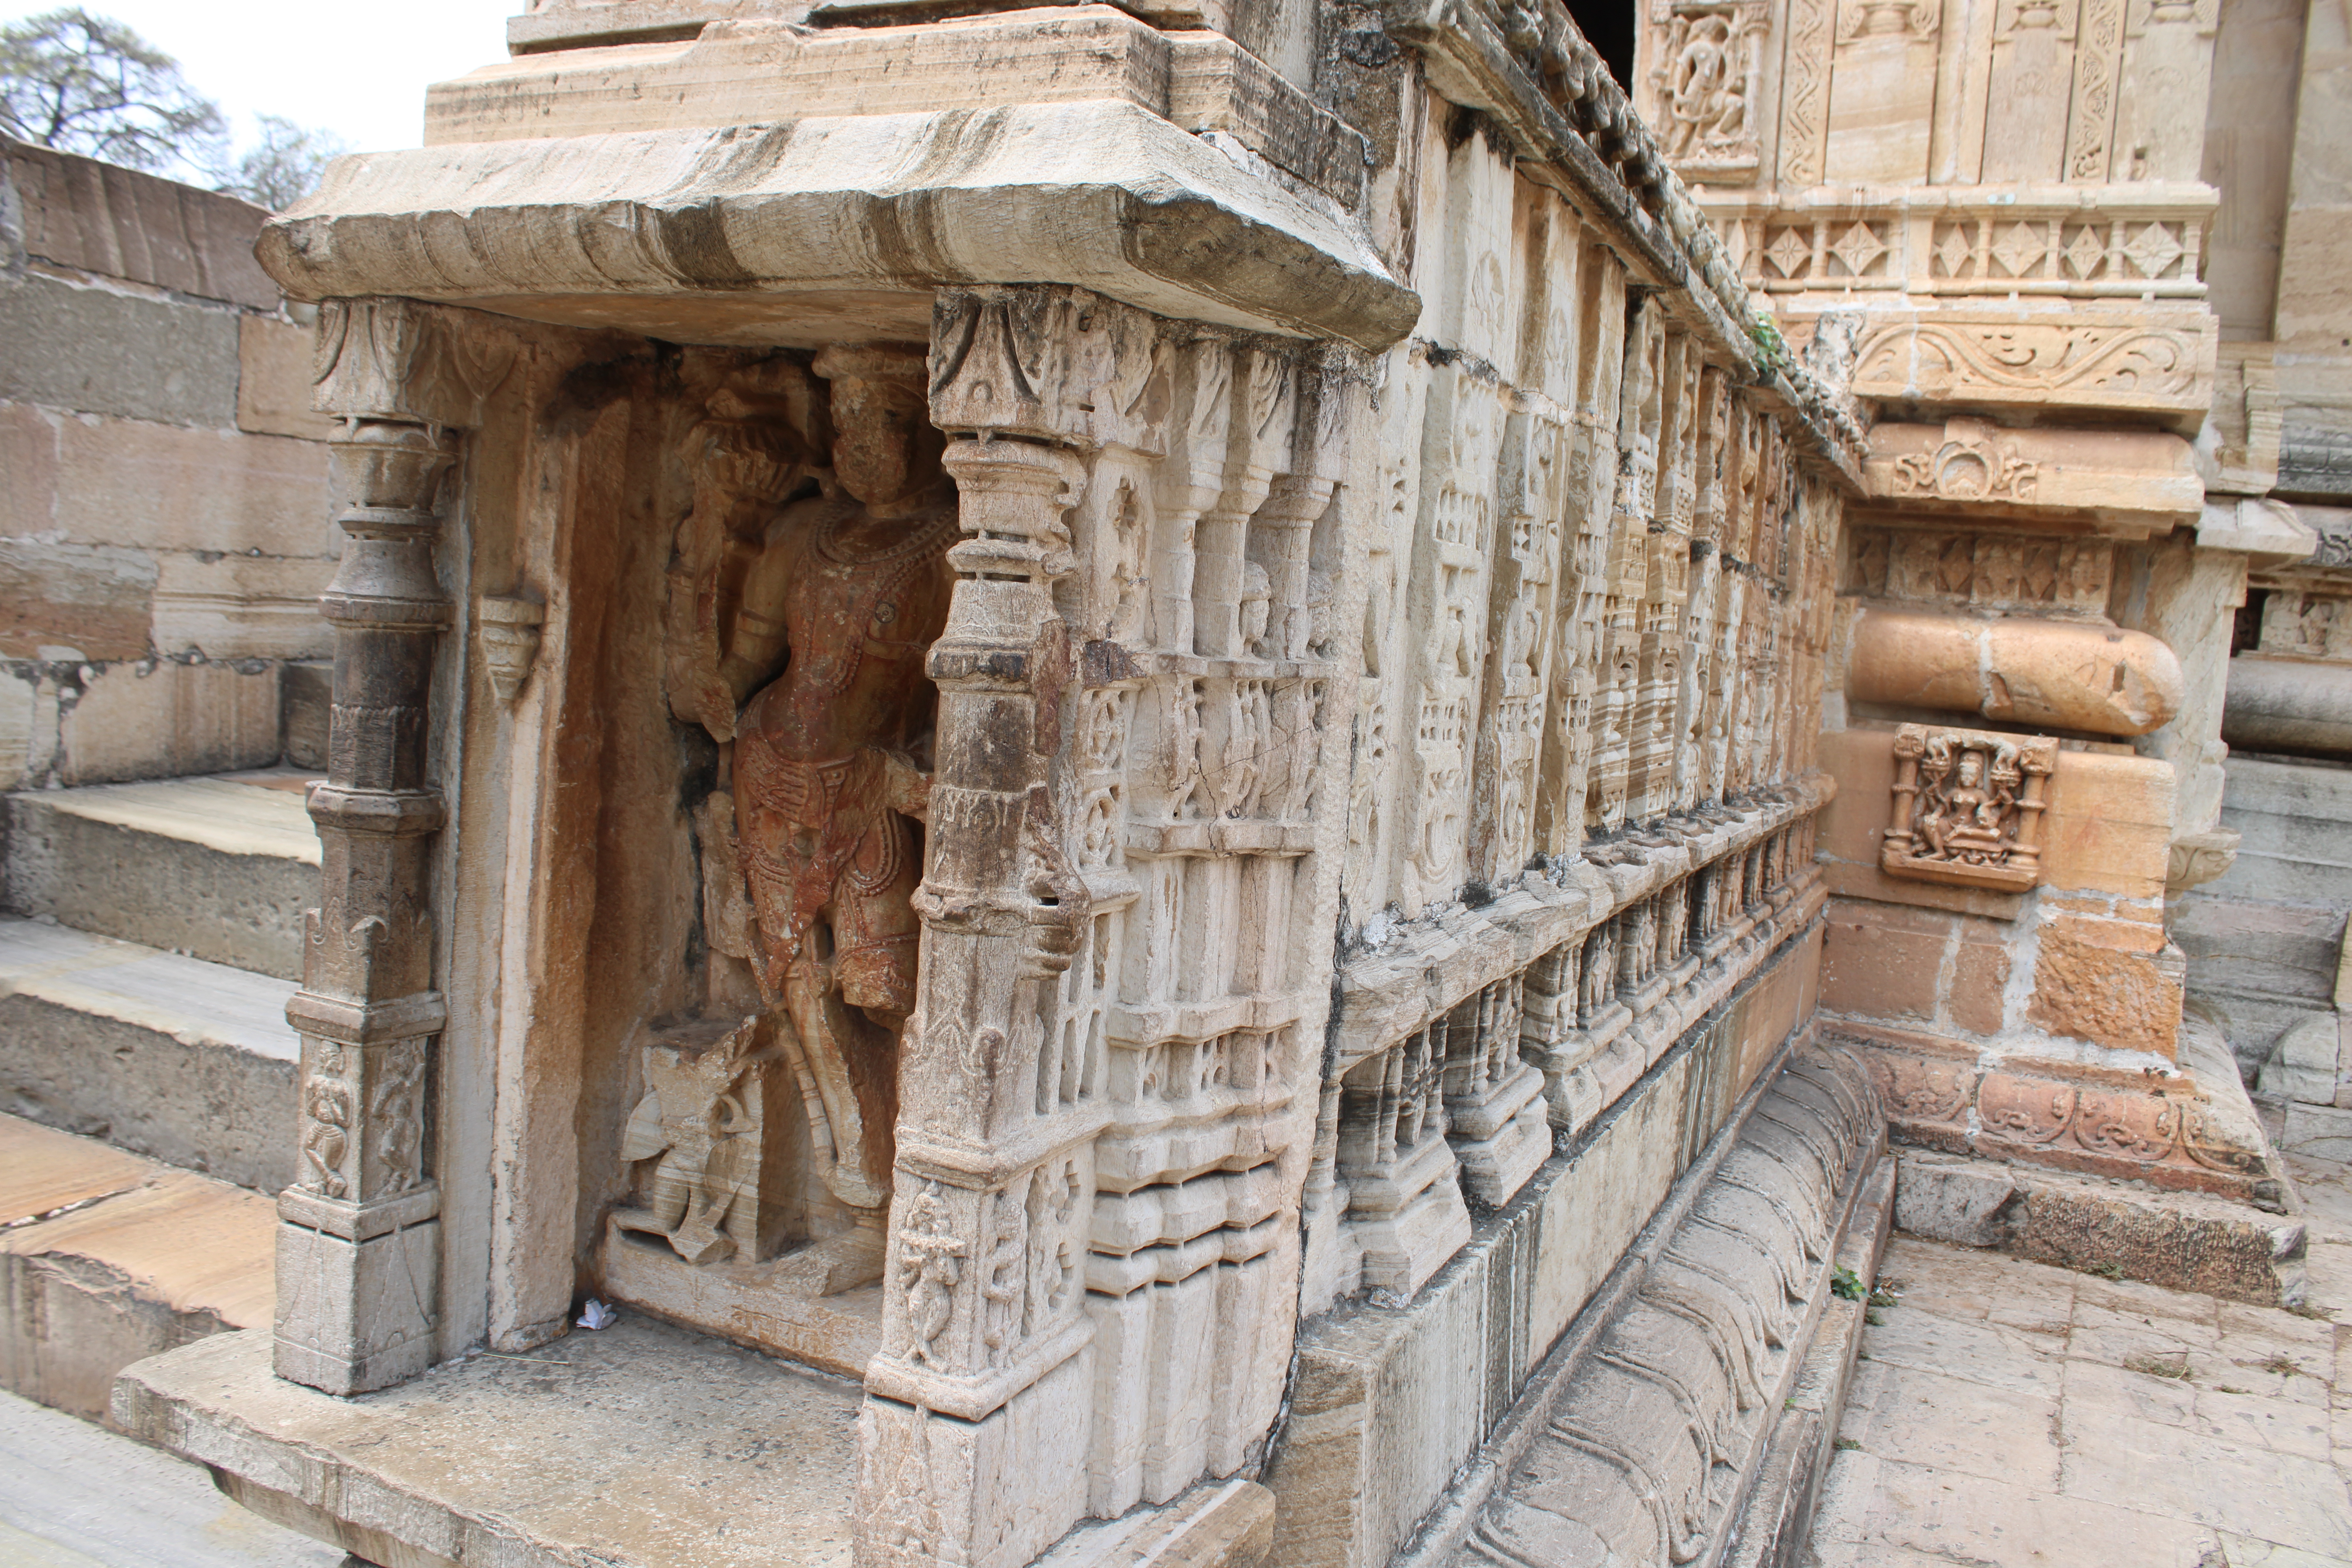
<point x="1952" y="250"/>
<point x="2153" y="250"/>
<point x="1788" y="253"/>
<point x="2020" y="248"/>
<point x="1858" y="248"/>
<point x="2086" y="251"/>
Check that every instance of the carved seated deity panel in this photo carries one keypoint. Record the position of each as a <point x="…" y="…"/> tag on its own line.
<point x="1967" y="807"/>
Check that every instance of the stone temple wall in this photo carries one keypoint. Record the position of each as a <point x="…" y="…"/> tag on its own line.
<point x="162" y="537"/>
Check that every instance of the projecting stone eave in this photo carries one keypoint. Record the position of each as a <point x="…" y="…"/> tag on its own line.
<point x="833" y="229"/>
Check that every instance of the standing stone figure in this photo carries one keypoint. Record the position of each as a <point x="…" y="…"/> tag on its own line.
<point x="838" y="608"/>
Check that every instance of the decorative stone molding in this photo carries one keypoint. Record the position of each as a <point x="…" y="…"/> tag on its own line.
<point x="2149" y="362"/>
<point x="2124" y="483"/>
<point x="359" y="1241"/>
<point x="1973" y="467"/>
<point x="2050" y="674"/>
<point x="2136" y="242"/>
<point x="2199" y="857"/>
<point x="2165" y="1131"/>
<point x="1102" y="189"/>
<point x="1967" y="807"/>
<point x="1699" y="1341"/>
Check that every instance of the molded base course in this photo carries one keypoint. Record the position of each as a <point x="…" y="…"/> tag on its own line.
<point x="638" y="1446"/>
<point x="1388" y="1403"/>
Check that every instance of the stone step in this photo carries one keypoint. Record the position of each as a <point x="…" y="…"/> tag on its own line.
<point x="188" y="1062"/>
<point x="218" y="869"/>
<point x="109" y="1257"/>
<point x="76" y="1496"/>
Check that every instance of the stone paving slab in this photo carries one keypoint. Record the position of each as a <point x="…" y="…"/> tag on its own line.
<point x="2009" y="1414"/>
<point x="73" y="1495"/>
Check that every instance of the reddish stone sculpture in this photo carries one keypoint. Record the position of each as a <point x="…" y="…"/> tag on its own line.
<point x="844" y="599"/>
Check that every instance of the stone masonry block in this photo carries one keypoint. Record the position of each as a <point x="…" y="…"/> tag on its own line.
<point x="1974" y="998"/>
<point x="1882" y="960"/>
<point x="306" y="698"/>
<point x="355" y="1316"/>
<point x="2101" y="981"/>
<point x="20" y="706"/>
<point x="98" y="218"/>
<point x="273" y="380"/>
<point x="158" y="488"/>
<point x="72" y="602"/>
<point x="171" y="719"/>
<point x="242" y="606"/>
<point x="97" y="352"/>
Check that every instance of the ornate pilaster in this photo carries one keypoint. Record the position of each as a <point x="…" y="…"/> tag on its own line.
<point x="984" y="1324"/>
<point x="357" y="1241"/>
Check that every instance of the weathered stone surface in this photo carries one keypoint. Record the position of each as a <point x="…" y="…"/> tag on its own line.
<point x="221" y="871"/>
<point x="1391" y="1401"/>
<point x="1698" y="1348"/>
<point x="676" y="1450"/>
<point x="2182" y="1241"/>
<point x="166" y="718"/>
<point x="95" y="217"/>
<point x="1975" y="467"/>
<point x="2095" y="979"/>
<point x="188" y="1062"/>
<point x="2190" y="1128"/>
<point x="305" y="693"/>
<point x="96" y="350"/>
<point x="68" y="603"/>
<point x="762" y="72"/>
<point x="2036" y="674"/>
<point x="273" y="380"/>
<point x="1102" y="195"/>
<point x="114" y="1259"/>
<point x="2016" y="1414"/>
<point x="2289" y="705"/>
<point x="73" y="1487"/>
<point x="2154" y="360"/>
<point x="242" y="606"/>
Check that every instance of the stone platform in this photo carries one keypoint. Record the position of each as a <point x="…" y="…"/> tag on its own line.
<point x="641" y="1445"/>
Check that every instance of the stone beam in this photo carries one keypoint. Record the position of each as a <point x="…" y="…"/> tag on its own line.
<point x="795" y="233"/>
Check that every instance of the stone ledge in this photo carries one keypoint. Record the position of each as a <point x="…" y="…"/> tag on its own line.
<point x="797" y="232"/>
<point x="1389" y="1400"/>
<point x="637" y="1447"/>
<point x="1549" y="1488"/>
<point x="2183" y="1241"/>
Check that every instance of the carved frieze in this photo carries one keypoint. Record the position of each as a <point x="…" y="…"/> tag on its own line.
<point x="1967" y="807"/>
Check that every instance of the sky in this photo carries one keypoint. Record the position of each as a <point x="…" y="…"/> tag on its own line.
<point x="356" y="69"/>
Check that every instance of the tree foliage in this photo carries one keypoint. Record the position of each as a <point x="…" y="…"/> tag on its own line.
<point x="82" y="83"/>
<point x="284" y="167"/>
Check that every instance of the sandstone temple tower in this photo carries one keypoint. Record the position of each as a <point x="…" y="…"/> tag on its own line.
<point x="1193" y="781"/>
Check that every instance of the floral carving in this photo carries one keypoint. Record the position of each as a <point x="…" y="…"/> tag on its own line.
<point x="1972" y="468"/>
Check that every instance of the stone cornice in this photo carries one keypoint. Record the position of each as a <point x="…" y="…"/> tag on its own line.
<point x="779" y="234"/>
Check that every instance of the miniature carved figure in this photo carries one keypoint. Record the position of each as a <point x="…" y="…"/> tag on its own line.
<point x="695" y="1119"/>
<point x="1967" y="807"/>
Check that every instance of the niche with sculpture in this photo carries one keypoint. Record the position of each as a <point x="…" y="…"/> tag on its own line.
<point x="808" y="583"/>
<point x="1967" y="807"/>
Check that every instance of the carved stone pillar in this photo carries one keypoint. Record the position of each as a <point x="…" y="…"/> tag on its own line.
<point x="359" y="1239"/>
<point x="983" y="1318"/>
